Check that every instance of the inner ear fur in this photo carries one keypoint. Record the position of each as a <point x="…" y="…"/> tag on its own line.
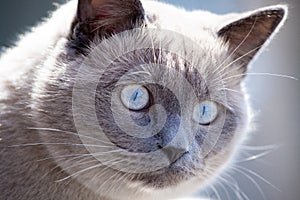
<point x="248" y="34"/>
<point x="102" y="18"/>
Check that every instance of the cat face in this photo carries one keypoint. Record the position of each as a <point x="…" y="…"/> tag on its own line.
<point x="156" y="103"/>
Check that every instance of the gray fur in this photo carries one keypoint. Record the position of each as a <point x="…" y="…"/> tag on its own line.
<point x="39" y="137"/>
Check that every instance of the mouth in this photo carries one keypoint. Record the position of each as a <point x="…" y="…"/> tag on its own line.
<point x="175" y="162"/>
<point x="172" y="175"/>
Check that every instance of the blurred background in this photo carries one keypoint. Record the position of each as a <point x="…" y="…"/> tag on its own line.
<point x="276" y="101"/>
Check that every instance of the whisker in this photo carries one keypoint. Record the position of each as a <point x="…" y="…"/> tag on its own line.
<point x="256" y="156"/>
<point x="141" y="73"/>
<point x="239" y="58"/>
<point x="63" y="156"/>
<point x="78" y="157"/>
<point x="67" y="144"/>
<point x="118" y="173"/>
<point x="66" y="132"/>
<point x="100" y="173"/>
<point x="82" y="162"/>
<point x="84" y="170"/>
<point x="93" y="157"/>
<point x="258" y="176"/>
<point x="224" y="189"/>
<point x="123" y="179"/>
<point x="216" y="192"/>
<point x="81" y="155"/>
<point x="70" y="160"/>
<point x="234" y="187"/>
<point x="153" y="48"/>
<point x="251" y="180"/>
<point x="230" y="90"/>
<point x="260" y="74"/>
<point x="57" y="166"/>
<point x="260" y="148"/>
<point x="79" y="172"/>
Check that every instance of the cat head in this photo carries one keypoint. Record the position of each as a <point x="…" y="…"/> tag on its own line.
<point x="152" y="95"/>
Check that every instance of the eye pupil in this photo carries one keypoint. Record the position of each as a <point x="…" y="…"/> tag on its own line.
<point x="203" y="110"/>
<point x="136" y="95"/>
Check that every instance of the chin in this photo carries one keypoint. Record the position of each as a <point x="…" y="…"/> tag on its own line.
<point x="172" y="182"/>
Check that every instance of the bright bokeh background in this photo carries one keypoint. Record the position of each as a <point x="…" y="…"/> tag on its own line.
<point x="276" y="100"/>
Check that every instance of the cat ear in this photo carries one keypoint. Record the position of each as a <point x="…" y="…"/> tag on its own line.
<point x="248" y="34"/>
<point x="106" y="17"/>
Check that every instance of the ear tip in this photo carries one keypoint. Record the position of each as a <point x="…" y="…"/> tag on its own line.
<point x="283" y="9"/>
<point x="280" y="10"/>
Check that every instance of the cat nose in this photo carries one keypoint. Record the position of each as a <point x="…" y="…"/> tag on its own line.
<point x="175" y="142"/>
<point x="173" y="153"/>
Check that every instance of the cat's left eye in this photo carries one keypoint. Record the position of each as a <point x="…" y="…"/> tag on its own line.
<point x="205" y="112"/>
<point x="135" y="97"/>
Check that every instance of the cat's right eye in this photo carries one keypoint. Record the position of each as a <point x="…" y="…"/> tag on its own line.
<point x="135" y="97"/>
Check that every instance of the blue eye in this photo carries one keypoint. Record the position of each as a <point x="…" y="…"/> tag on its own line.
<point x="205" y="112"/>
<point x="135" y="97"/>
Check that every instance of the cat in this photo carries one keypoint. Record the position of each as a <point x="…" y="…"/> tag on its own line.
<point x="126" y="99"/>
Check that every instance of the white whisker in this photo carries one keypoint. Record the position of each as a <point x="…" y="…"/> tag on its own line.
<point x="230" y="90"/>
<point x="260" y="148"/>
<point x="79" y="172"/>
<point x="63" y="156"/>
<point x="224" y="189"/>
<point x="67" y="144"/>
<point x="259" y="177"/>
<point x="239" y="58"/>
<point x="86" y="169"/>
<point x="260" y="74"/>
<point x="66" y="132"/>
<point x="235" y="187"/>
<point x="256" y="156"/>
<point x="251" y="180"/>
<point x="214" y="189"/>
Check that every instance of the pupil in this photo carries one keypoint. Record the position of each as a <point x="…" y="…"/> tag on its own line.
<point x="203" y="110"/>
<point x="136" y="95"/>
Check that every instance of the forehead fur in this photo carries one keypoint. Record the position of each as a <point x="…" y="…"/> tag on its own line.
<point x="202" y="58"/>
<point x="194" y="24"/>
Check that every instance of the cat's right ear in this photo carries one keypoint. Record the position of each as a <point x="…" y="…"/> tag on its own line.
<point x="102" y="18"/>
<point x="247" y="33"/>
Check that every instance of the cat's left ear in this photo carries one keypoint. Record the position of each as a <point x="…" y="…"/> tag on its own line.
<point x="247" y="34"/>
